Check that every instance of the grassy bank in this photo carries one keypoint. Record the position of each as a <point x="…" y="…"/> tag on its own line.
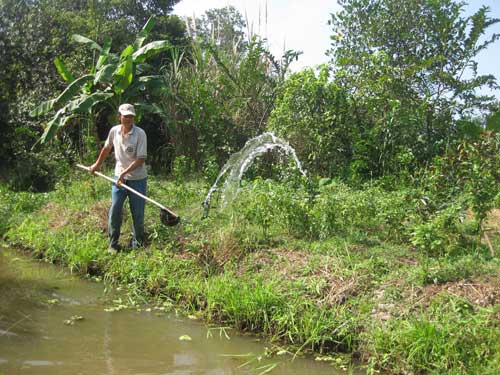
<point x="356" y="274"/>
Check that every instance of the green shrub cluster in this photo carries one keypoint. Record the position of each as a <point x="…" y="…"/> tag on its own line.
<point x="332" y="208"/>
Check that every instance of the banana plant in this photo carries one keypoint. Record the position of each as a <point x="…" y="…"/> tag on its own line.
<point x="112" y="78"/>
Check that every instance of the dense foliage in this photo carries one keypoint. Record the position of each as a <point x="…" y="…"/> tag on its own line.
<point x="402" y="156"/>
<point x="411" y="71"/>
<point x="390" y="101"/>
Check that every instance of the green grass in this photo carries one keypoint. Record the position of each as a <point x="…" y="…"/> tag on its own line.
<point x="449" y="336"/>
<point x="273" y="264"/>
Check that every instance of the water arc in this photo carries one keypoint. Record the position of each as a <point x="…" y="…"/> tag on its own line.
<point x="240" y="161"/>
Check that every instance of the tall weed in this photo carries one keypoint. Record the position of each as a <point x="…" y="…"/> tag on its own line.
<point x="448" y="337"/>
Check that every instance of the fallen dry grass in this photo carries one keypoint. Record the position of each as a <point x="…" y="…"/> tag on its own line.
<point x="60" y="216"/>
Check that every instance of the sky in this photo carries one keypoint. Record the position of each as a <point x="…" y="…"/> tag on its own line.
<point x="302" y="25"/>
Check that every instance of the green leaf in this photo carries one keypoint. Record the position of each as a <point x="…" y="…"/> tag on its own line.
<point x="469" y="129"/>
<point x="149" y="50"/>
<point x="63" y="71"/>
<point x="104" y="53"/>
<point x="84" y="40"/>
<point x="136" y="89"/>
<point x="127" y="52"/>
<point x="43" y="108"/>
<point x="153" y="82"/>
<point x="142" y="68"/>
<point x="144" y="33"/>
<point x="150" y="108"/>
<point x="52" y="126"/>
<point x="72" y="89"/>
<point x="85" y="103"/>
<point x="123" y="75"/>
<point x="105" y="74"/>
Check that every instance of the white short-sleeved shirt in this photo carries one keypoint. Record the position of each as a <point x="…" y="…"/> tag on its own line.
<point x="127" y="149"/>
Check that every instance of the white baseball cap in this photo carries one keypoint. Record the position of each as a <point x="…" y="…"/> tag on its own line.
<point x="126" y="109"/>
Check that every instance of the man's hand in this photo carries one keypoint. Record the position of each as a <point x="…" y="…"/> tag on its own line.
<point x="135" y="164"/>
<point x="119" y="181"/>
<point x="102" y="156"/>
<point x="94" y="167"/>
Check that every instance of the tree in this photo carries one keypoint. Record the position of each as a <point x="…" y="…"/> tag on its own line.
<point x="216" y="100"/>
<point x="112" y="79"/>
<point x="219" y="91"/>
<point x="34" y="33"/>
<point x="313" y="114"/>
<point x="410" y="67"/>
<point x="222" y="27"/>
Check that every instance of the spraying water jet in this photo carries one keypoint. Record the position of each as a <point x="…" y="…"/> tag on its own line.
<point x="240" y="161"/>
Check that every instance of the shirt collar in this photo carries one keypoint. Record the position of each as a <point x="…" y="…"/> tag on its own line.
<point x="130" y="132"/>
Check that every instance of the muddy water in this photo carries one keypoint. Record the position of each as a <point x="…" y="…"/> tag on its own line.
<point x="37" y="299"/>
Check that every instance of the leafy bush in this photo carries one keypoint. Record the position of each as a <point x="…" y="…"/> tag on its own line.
<point x="257" y="205"/>
<point x="13" y="206"/>
<point x="466" y="178"/>
<point x="451" y="269"/>
<point x="35" y="172"/>
<point x="323" y="210"/>
<point x="439" y="234"/>
<point x="341" y="210"/>
<point x="313" y="114"/>
<point x="183" y="166"/>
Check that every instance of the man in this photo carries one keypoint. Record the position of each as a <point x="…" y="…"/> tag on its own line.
<point x="130" y="145"/>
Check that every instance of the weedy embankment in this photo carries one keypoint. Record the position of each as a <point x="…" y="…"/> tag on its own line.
<point x="356" y="274"/>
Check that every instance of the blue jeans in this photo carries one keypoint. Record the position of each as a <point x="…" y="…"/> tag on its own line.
<point x="118" y="196"/>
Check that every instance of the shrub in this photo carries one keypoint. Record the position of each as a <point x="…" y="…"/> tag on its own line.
<point x="339" y="209"/>
<point x="183" y="167"/>
<point x="34" y="172"/>
<point x="439" y="235"/>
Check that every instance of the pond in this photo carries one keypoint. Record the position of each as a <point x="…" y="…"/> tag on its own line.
<point x="54" y="323"/>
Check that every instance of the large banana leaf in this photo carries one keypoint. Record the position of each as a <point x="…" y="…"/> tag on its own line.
<point x="43" y="108"/>
<point x="63" y="98"/>
<point x="123" y="75"/>
<point x="149" y="83"/>
<point x="136" y="89"/>
<point x="144" y="33"/>
<point x="154" y="109"/>
<point x="84" y="103"/>
<point x="111" y="69"/>
<point x="153" y="82"/>
<point x="105" y="74"/>
<point x="52" y="126"/>
<point x="127" y="52"/>
<point x="142" y="68"/>
<point x="151" y="108"/>
<point x="149" y="50"/>
<point x="103" y="57"/>
<point x="84" y="40"/>
<point x="63" y="71"/>
<point x="72" y="89"/>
